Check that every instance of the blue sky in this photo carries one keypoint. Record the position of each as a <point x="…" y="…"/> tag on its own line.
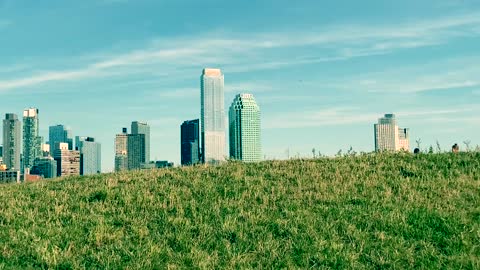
<point x="322" y="71"/>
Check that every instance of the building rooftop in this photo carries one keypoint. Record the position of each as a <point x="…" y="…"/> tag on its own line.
<point x="212" y="72"/>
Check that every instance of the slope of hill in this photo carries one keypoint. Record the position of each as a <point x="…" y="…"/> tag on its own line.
<point x="372" y="211"/>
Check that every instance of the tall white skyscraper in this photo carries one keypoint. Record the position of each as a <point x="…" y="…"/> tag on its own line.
<point x="389" y="137"/>
<point x="212" y="116"/>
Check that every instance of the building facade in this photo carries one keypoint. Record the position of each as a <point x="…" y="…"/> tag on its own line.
<point x="143" y="128"/>
<point x="9" y="176"/>
<point x="212" y="120"/>
<point x="12" y="136"/>
<point x="68" y="161"/>
<point x="244" y="129"/>
<point x="121" y="158"/>
<point x="190" y="142"/>
<point x="90" y="155"/>
<point x="135" y="151"/>
<point x="32" y="142"/>
<point x="45" y="167"/>
<point x="60" y="134"/>
<point x="389" y="137"/>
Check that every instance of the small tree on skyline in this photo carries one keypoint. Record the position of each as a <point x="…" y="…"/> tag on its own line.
<point x="467" y="144"/>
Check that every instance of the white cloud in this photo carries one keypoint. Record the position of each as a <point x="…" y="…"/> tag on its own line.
<point x="4" y="24"/>
<point x="265" y="51"/>
<point x="347" y="116"/>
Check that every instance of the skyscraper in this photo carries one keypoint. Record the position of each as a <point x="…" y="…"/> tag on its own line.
<point x="90" y="155"/>
<point x="121" y="158"/>
<point x="68" y="161"/>
<point x="12" y="136"/>
<point x="60" y="134"/>
<point x="389" y="137"/>
<point x="143" y="128"/>
<point x="135" y="151"/>
<point x="190" y="142"/>
<point x="212" y="116"/>
<point x="244" y="119"/>
<point x="32" y="142"/>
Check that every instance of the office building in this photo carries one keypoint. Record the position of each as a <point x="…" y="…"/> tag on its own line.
<point x="90" y="155"/>
<point x="212" y="111"/>
<point x="135" y="151"/>
<point x="32" y="142"/>
<point x="143" y="128"/>
<point x="12" y="136"/>
<point x="68" y="161"/>
<point x="121" y="158"/>
<point x="389" y="137"/>
<point x="45" y="167"/>
<point x="244" y="129"/>
<point x="60" y="134"/>
<point x="190" y="142"/>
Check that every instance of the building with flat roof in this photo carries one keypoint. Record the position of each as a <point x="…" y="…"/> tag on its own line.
<point x="190" y="142"/>
<point x="12" y="141"/>
<point x="90" y="155"/>
<point x="32" y="142"/>
<point x="390" y="137"/>
<point x="212" y="116"/>
<point x="68" y="161"/>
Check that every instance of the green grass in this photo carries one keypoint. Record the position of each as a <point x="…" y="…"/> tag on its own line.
<point x="372" y="211"/>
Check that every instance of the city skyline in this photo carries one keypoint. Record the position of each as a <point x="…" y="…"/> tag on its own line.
<point x="321" y="73"/>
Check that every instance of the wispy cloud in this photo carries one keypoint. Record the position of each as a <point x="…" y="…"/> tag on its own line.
<point x="5" y="23"/>
<point x="338" y="116"/>
<point x="249" y="52"/>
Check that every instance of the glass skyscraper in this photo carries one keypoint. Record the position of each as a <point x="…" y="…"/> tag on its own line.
<point x="244" y="119"/>
<point x="90" y="155"/>
<point x="60" y="134"/>
<point x="135" y="151"/>
<point x="143" y="128"/>
<point x="32" y="142"/>
<point x="190" y="142"/>
<point x="212" y="116"/>
<point x="12" y="136"/>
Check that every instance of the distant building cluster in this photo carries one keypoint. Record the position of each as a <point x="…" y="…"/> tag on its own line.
<point x="25" y="157"/>
<point x="204" y="140"/>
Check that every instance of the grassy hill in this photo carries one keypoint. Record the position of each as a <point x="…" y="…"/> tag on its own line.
<point x="371" y="211"/>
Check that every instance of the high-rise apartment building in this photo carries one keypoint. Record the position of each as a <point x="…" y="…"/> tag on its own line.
<point x="212" y="113"/>
<point x="90" y="155"/>
<point x="190" y="142"/>
<point x="389" y="137"/>
<point x="121" y="157"/>
<point x="68" y="161"/>
<point x="244" y="131"/>
<point x="143" y="128"/>
<point x="32" y="142"/>
<point x="135" y="151"/>
<point x="12" y="136"/>
<point x="60" y="134"/>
